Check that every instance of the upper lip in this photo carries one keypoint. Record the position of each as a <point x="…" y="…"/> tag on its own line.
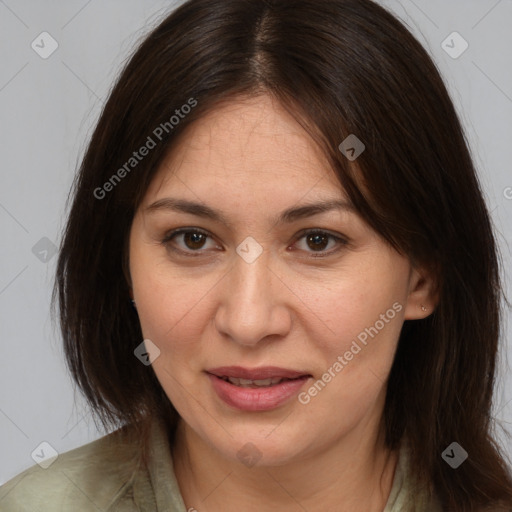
<point x="263" y="372"/>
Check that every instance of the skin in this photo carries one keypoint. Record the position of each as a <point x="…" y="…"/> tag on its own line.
<point x="251" y="160"/>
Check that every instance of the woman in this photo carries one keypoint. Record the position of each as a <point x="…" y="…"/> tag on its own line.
<point x="272" y="281"/>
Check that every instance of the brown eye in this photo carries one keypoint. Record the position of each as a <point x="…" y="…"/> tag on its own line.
<point x="317" y="241"/>
<point x="193" y="241"/>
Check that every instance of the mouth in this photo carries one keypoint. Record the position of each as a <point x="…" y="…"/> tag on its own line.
<point x="256" y="389"/>
<point x="257" y="383"/>
<point x="262" y="376"/>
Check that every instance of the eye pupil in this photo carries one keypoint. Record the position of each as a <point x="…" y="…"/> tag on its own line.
<point x="316" y="238"/>
<point x="196" y="238"/>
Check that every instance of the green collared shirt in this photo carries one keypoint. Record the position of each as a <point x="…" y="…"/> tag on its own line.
<point x="103" y="476"/>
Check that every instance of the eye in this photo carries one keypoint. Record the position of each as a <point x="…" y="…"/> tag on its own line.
<point x="318" y="240"/>
<point x="194" y="240"/>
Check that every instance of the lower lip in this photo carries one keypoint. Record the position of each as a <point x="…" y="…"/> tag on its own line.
<point x="256" y="399"/>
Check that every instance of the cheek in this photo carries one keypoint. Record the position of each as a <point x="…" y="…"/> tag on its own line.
<point x="354" y="302"/>
<point x="168" y="312"/>
<point x="168" y="316"/>
<point x="165" y="298"/>
<point x="364" y="312"/>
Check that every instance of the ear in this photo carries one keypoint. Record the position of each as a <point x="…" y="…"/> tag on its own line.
<point x="423" y="293"/>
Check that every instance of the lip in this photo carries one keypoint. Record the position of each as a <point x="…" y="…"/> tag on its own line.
<point x="263" y="372"/>
<point x="256" y="399"/>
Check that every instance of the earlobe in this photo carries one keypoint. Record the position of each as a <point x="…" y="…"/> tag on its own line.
<point x="423" y="295"/>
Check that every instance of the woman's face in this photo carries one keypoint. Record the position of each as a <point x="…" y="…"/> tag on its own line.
<point x="247" y="291"/>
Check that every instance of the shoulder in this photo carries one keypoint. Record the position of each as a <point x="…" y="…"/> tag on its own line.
<point x="95" y="476"/>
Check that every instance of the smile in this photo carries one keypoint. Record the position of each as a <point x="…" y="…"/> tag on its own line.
<point x="248" y="383"/>
<point x="259" y="389"/>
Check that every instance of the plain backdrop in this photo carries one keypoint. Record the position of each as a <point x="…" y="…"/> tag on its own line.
<point x="48" y="107"/>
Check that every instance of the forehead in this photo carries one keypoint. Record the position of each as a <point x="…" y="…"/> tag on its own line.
<point x="250" y="144"/>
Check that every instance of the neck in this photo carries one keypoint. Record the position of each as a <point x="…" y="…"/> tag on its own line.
<point x="355" y="475"/>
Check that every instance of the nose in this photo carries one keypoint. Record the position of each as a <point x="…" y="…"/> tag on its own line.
<point x="253" y="303"/>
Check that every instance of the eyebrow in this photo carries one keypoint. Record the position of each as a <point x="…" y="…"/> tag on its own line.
<point x="287" y="216"/>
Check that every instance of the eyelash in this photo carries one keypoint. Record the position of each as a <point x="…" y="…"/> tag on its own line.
<point x="194" y="254"/>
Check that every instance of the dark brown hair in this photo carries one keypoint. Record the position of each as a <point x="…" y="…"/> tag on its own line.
<point x="340" y="67"/>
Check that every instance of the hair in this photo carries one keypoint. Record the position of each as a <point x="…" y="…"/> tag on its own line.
<point x="339" y="67"/>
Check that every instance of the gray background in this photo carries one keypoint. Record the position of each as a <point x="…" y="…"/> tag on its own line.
<point x="48" y="108"/>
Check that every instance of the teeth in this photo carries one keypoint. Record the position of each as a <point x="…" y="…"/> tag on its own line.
<point x="247" y="383"/>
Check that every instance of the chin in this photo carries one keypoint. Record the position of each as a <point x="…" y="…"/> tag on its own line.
<point x="254" y="447"/>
